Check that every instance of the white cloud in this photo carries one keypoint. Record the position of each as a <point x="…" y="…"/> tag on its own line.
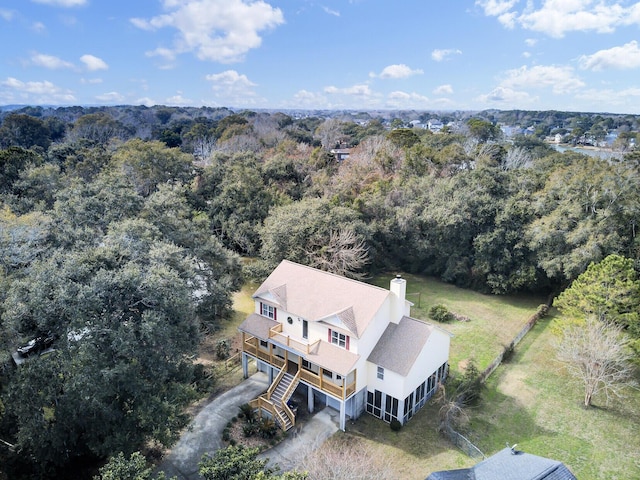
<point x="507" y="97"/>
<point x="230" y="78"/>
<point x="494" y="8"/>
<point x="327" y="10"/>
<point x="49" y="61"/>
<point x="62" y="3"/>
<point x="44" y="92"/>
<point x="443" y="90"/>
<point x="217" y="30"/>
<point x="439" y="55"/>
<point x="146" y="101"/>
<point x="361" y="90"/>
<point x="625" y="57"/>
<point x="397" y="71"/>
<point x="178" y="100"/>
<point x="6" y="14"/>
<point x="399" y="99"/>
<point x="93" y="63"/>
<point x="558" y="17"/>
<point x="560" y="79"/>
<point x="110" y="97"/>
<point x="530" y="42"/>
<point x="305" y="98"/>
<point x="232" y="87"/>
<point x="90" y="81"/>
<point x="38" y="27"/>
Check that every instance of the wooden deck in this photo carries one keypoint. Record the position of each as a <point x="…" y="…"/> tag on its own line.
<point x="251" y="346"/>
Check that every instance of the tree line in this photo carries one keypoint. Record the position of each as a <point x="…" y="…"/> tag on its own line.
<point x="120" y="243"/>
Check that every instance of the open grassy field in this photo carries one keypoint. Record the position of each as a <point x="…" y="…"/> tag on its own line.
<point x="495" y="320"/>
<point x="531" y="401"/>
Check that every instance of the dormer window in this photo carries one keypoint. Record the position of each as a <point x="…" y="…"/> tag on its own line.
<point x="268" y="311"/>
<point x="339" y="339"/>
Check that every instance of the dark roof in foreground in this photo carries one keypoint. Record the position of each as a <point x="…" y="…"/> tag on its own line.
<point x="506" y="465"/>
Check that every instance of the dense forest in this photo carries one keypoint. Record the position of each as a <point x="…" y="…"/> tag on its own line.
<point x="125" y="230"/>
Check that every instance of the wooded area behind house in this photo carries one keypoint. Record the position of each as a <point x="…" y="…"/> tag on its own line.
<point x="122" y="231"/>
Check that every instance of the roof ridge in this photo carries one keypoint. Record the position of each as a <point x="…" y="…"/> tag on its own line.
<point x="342" y="277"/>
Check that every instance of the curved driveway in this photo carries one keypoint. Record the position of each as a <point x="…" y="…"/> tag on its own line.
<point x="204" y="435"/>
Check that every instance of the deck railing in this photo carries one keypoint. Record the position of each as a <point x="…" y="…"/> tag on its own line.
<point x="251" y="346"/>
<point x="276" y="334"/>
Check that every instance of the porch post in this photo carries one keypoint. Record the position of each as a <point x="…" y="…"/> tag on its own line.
<point x="310" y="402"/>
<point x="401" y="411"/>
<point x="270" y="374"/>
<point x="343" y="420"/>
<point x="245" y="365"/>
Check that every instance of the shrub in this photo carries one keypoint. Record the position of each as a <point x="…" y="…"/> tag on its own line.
<point x="471" y="386"/>
<point x="226" y="435"/>
<point x="246" y="412"/>
<point x="203" y="378"/>
<point x="267" y="428"/>
<point x="249" y="429"/>
<point x="395" y="425"/>
<point x="222" y="349"/>
<point x="440" y="313"/>
<point x="543" y="310"/>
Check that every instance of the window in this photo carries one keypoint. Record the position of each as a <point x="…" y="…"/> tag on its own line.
<point x="264" y="344"/>
<point x="390" y="409"/>
<point x="339" y="339"/>
<point x="381" y="373"/>
<point x="305" y="329"/>
<point x="268" y="311"/>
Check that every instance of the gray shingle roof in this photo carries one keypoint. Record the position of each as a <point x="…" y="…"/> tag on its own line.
<point x="505" y="465"/>
<point x="400" y="345"/>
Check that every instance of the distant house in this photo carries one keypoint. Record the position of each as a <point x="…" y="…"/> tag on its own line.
<point x="509" y="464"/>
<point x="343" y="344"/>
<point x="434" y="125"/>
<point x="341" y="154"/>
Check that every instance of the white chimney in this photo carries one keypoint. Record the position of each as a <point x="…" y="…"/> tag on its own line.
<point x="398" y="288"/>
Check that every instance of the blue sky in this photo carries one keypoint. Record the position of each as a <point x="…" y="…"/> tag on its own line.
<point x="577" y="55"/>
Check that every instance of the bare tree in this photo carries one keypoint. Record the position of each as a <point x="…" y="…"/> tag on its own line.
<point x="596" y="354"/>
<point x="345" y="254"/>
<point x="342" y="458"/>
<point x="453" y="411"/>
<point x="517" y="157"/>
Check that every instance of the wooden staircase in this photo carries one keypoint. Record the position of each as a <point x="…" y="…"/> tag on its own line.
<point x="275" y="400"/>
<point x="279" y="396"/>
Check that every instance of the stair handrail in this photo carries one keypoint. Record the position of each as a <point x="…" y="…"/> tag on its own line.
<point x="289" y="391"/>
<point x="277" y="380"/>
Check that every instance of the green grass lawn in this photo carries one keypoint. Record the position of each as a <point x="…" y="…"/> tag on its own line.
<point x="495" y="320"/>
<point x="531" y="401"/>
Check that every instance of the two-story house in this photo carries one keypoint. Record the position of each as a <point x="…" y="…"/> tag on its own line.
<point x="346" y="344"/>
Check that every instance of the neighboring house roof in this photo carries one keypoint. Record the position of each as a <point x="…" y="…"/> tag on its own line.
<point x="400" y="345"/>
<point x="316" y="295"/>
<point x="506" y="465"/>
